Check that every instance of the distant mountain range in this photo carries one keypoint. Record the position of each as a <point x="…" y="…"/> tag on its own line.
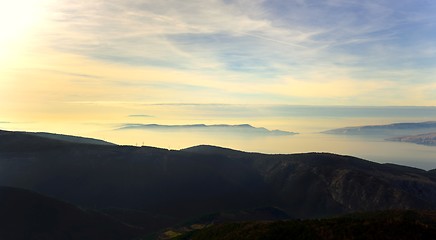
<point x="423" y="133"/>
<point x="389" y="129"/>
<point x="150" y="189"/>
<point x="217" y="128"/>
<point x="423" y="139"/>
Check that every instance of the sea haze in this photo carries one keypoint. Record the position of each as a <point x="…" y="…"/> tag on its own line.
<point x="178" y="126"/>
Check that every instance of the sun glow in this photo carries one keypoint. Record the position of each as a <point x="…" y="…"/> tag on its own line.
<point x="18" y="20"/>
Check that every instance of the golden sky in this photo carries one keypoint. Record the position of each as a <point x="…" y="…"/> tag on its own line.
<point x="101" y="61"/>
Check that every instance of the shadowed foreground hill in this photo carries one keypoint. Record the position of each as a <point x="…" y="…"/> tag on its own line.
<point x="25" y="215"/>
<point x="154" y="188"/>
<point x="395" y="225"/>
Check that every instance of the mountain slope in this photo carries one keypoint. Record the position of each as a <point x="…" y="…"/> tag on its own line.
<point x="201" y="180"/>
<point x="74" y="139"/>
<point x="40" y="138"/>
<point x="28" y="215"/>
<point x="395" y="225"/>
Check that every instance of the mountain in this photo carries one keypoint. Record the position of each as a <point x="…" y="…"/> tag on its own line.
<point x="154" y="188"/>
<point x="26" y="215"/>
<point x="209" y="149"/>
<point x="74" y="139"/>
<point x="218" y="128"/>
<point x="428" y="139"/>
<point x="52" y="136"/>
<point x="395" y="129"/>
<point x="395" y="225"/>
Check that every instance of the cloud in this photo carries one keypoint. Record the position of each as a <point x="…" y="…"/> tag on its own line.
<point x="192" y="34"/>
<point x="230" y="51"/>
<point x="140" y="116"/>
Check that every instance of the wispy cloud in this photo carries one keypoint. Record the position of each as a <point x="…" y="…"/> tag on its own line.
<point x="140" y="116"/>
<point x="234" y="51"/>
<point x="146" y="30"/>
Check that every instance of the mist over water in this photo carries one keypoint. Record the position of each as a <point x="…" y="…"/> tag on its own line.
<point x="307" y="121"/>
<point x="370" y="148"/>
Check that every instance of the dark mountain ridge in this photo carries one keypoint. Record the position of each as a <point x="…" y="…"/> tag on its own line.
<point x="37" y="139"/>
<point x="206" y="179"/>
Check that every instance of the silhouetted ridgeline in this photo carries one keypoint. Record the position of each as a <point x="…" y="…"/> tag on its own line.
<point x="154" y="188"/>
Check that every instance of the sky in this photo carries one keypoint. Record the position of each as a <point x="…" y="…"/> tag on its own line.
<point x="70" y="60"/>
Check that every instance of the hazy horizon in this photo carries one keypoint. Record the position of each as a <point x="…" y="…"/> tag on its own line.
<point x="307" y="121"/>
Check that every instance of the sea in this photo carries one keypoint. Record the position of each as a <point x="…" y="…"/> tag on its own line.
<point x="308" y="121"/>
